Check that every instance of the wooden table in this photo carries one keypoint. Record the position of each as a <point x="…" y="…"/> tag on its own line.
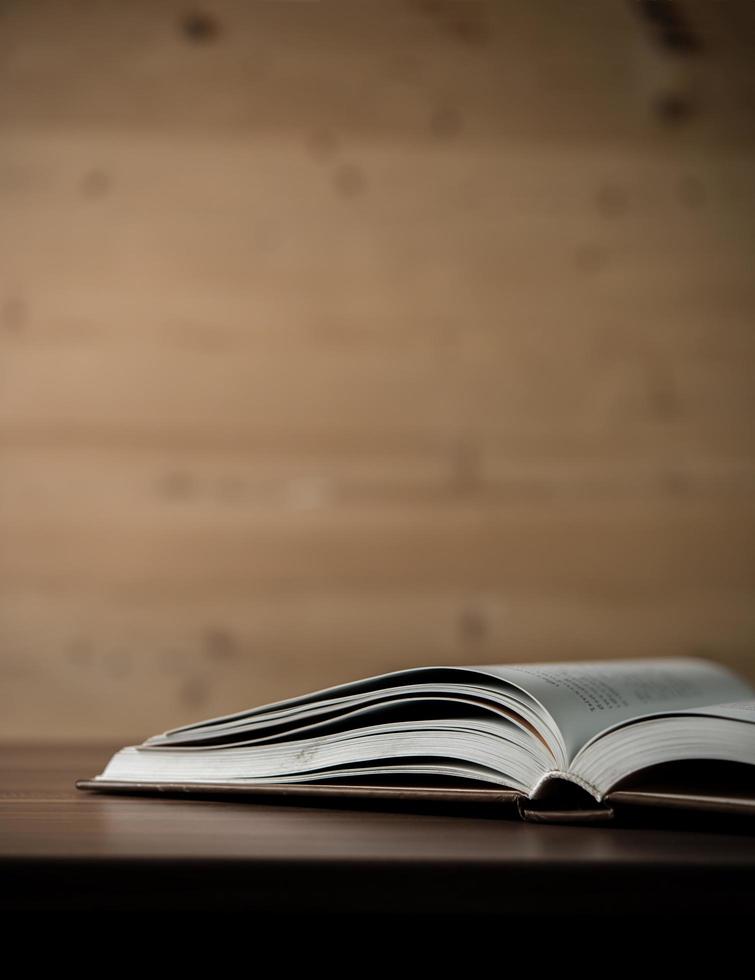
<point x="64" y="848"/>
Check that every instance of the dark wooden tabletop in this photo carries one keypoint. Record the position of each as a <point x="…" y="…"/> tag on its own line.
<point x="64" y="848"/>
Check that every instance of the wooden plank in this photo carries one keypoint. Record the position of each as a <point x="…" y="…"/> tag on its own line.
<point x="576" y="545"/>
<point x="141" y="486"/>
<point x="301" y="379"/>
<point x="266" y="66"/>
<point x="346" y="347"/>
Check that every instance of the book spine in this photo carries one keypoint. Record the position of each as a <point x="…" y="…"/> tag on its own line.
<point x="533" y="812"/>
<point x="561" y="797"/>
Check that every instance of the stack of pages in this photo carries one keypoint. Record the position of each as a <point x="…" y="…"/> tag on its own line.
<point x="522" y="733"/>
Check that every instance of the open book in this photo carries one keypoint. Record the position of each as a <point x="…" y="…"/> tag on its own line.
<point x="556" y="740"/>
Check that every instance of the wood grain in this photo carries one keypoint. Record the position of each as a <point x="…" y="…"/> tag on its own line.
<point x="338" y="338"/>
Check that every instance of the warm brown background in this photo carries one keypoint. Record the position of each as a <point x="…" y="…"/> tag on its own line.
<point x="338" y="338"/>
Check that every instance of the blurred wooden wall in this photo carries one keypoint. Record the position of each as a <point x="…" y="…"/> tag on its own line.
<point x="343" y="337"/>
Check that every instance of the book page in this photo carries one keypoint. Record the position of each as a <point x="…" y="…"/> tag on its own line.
<point x="584" y="698"/>
<point x="736" y="710"/>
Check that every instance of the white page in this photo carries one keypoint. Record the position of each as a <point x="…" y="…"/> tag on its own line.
<point x="584" y="697"/>
<point x="737" y="710"/>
